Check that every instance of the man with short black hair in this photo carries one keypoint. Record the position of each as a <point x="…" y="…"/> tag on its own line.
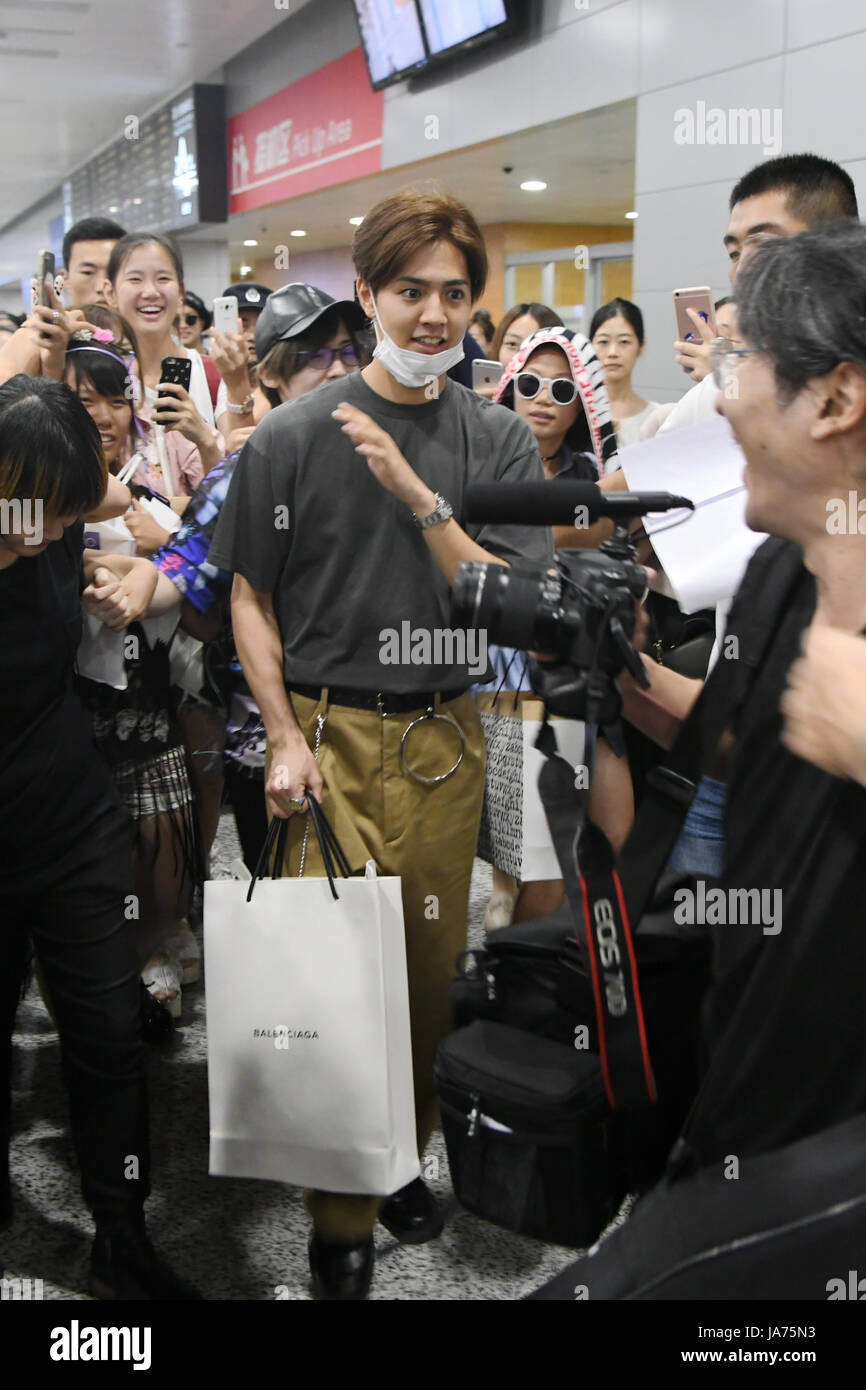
<point x="87" y="247"/>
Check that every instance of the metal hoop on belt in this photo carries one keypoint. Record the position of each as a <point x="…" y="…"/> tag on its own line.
<point x="443" y="777"/>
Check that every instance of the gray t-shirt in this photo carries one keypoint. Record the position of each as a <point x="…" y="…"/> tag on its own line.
<point x="359" y="598"/>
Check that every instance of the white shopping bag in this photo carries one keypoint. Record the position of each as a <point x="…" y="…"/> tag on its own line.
<point x="309" y="1049"/>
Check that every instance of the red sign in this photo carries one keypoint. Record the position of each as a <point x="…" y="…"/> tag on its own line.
<point x="322" y="130"/>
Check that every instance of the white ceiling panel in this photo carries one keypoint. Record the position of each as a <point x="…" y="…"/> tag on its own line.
<point x="71" y="70"/>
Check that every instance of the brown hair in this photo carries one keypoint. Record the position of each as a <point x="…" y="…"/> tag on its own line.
<point x="401" y="224"/>
<point x="544" y="317"/>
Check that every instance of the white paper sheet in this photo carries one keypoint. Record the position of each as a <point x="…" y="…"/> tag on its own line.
<point x="705" y="552"/>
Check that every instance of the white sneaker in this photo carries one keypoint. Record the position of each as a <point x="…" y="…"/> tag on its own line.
<point x="161" y="977"/>
<point x="186" y="952"/>
<point x="500" y="910"/>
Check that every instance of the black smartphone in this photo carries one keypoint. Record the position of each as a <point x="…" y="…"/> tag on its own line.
<point x="45" y="273"/>
<point x="177" y="370"/>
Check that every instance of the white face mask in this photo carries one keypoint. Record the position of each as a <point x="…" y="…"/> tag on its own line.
<point x="414" y="369"/>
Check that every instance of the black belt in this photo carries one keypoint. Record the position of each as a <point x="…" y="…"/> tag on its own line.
<point x="382" y="701"/>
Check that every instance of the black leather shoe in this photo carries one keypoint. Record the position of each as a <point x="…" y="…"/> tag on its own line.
<point x="157" y="1024"/>
<point x="124" y="1265"/>
<point x="341" y="1271"/>
<point x="412" y="1214"/>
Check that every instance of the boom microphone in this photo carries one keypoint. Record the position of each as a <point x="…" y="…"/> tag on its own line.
<point x="555" y="503"/>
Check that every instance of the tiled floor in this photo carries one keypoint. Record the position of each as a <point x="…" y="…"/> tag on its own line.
<point x="236" y="1239"/>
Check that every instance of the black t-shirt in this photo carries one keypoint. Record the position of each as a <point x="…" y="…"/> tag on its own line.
<point x="54" y="786"/>
<point x="785" y="1017"/>
<point x="306" y="520"/>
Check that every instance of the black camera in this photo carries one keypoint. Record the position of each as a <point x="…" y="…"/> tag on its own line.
<point x="580" y="616"/>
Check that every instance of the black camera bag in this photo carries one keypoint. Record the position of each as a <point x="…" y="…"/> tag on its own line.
<point x="524" y="1124"/>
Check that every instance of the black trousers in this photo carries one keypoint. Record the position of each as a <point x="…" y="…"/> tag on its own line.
<point x="246" y="796"/>
<point x="79" y="914"/>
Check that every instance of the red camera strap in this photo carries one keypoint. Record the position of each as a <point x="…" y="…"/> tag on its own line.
<point x="602" y="929"/>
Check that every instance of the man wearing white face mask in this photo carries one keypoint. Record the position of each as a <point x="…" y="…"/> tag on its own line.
<point x="342" y="623"/>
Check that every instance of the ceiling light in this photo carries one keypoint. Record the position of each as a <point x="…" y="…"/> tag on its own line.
<point x="115" y="208"/>
<point x="533" y="186"/>
<point x="297" y="232"/>
<point x="246" y="270"/>
<point x="136" y="201"/>
<point x="251" y="243"/>
<point x="355" y="221"/>
<point x="631" y="216"/>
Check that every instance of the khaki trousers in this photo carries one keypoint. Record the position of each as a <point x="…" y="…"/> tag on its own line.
<point x="424" y="834"/>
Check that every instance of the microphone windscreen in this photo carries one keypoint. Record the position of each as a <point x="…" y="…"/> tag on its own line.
<point x="533" y="504"/>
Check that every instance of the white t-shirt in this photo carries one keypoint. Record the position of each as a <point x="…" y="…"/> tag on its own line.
<point x="628" y="430"/>
<point x="199" y="388"/>
<point x="697" y="405"/>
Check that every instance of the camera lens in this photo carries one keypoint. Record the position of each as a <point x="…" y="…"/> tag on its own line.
<point x="515" y="609"/>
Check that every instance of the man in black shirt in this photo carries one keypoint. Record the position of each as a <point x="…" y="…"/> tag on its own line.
<point x="784" y="1019"/>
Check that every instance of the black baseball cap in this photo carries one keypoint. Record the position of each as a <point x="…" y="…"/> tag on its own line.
<point x="248" y="294"/>
<point x="194" y="302"/>
<point x="295" y="308"/>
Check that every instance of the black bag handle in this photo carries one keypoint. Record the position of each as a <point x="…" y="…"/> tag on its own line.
<point x="333" y="857"/>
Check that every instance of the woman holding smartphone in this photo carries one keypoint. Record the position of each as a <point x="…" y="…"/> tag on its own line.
<point x="146" y="275"/>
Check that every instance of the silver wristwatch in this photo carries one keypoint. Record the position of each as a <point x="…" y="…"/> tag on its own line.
<point x="442" y="512"/>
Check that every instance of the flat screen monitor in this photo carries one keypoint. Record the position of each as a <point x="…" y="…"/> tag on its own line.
<point x="392" y="39"/>
<point x="449" y="23"/>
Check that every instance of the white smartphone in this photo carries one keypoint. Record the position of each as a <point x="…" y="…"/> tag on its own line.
<point x="485" y="373"/>
<point x="225" y="314"/>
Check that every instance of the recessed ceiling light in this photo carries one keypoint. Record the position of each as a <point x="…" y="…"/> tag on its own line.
<point x="115" y="208"/>
<point x="251" y="243"/>
<point x="355" y="221"/>
<point x="631" y="216"/>
<point x="136" y="201"/>
<point x="533" y="186"/>
<point x="297" y="232"/>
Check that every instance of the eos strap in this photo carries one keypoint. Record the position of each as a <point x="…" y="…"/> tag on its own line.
<point x="601" y="927"/>
<point x="604" y="899"/>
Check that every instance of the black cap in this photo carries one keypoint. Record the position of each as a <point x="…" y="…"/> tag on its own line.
<point x="295" y="308"/>
<point x="198" y="305"/>
<point x="248" y="294"/>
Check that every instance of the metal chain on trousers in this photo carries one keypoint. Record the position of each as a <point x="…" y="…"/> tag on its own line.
<point x="320" y="724"/>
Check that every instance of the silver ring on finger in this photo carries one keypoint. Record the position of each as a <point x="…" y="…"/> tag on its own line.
<point x="300" y="802"/>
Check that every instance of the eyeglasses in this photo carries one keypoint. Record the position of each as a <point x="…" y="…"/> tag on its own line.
<point x="724" y="359"/>
<point x="561" y="389"/>
<point x="321" y="359"/>
<point x="189" y="319"/>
